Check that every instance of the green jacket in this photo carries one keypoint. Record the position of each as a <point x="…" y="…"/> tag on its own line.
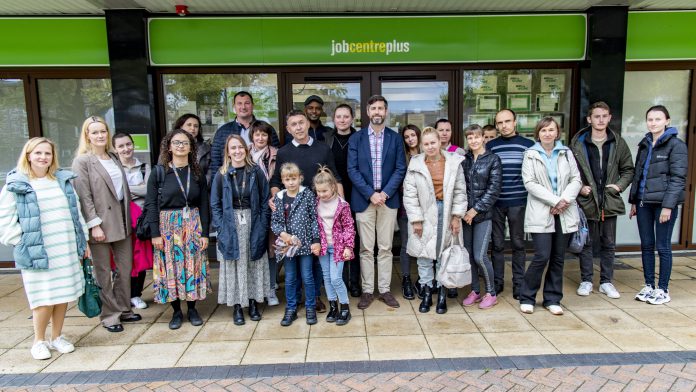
<point x="619" y="172"/>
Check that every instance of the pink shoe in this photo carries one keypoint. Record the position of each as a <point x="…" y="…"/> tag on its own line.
<point x="471" y="299"/>
<point x="488" y="301"/>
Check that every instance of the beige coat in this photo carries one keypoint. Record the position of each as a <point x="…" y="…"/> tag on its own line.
<point x="538" y="217"/>
<point x="98" y="198"/>
<point x="419" y="202"/>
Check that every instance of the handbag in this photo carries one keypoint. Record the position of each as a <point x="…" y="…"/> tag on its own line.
<point x="89" y="302"/>
<point x="142" y="226"/>
<point x="455" y="268"/>
<point x="578" y="239"/>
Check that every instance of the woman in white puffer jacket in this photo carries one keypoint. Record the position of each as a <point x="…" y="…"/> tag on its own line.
<point x="435" y="202"/>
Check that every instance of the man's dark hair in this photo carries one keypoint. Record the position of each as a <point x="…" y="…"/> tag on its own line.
<point x="294" y="113"/>
<point x="598" y="105"/>
<point x="377" y="98"/>
<point x="243" y="94"/>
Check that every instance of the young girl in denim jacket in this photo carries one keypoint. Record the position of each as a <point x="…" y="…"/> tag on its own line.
<point x="294" y="221"/>
<point x="337" y="235"/>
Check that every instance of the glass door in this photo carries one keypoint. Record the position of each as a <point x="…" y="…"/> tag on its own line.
<point x="333" y="88"/>
<point x="417" y="98"/>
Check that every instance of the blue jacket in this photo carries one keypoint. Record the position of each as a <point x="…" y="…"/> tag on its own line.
<point x="30" y="252"/>
<point x="360" y="169"/>
<point x="225" y="219"/>
<point x="217" y="152"/>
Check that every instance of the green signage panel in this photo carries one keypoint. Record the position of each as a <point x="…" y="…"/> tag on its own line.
<point x="141" y="142"/>
<point x="667" y="35"/>
<point x="53" y="42"/>
<point x="366" y="40"/>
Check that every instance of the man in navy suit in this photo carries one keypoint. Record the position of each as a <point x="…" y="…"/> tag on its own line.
<point x="376" y="167"/>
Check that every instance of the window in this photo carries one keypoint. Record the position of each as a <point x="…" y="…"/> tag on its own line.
<point x="13" y="116"/>
<point x="530" y="93"/>
<point x="65" y="104"/>
<point x="209" y="96"/>
<point x="643" y="89"/>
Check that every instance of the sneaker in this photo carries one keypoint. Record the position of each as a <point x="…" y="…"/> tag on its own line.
<point x="40" y="350"/>
<point x="609" y="290"/>
<point x="555" y="310"/>
<point x="138" y="303"/>
<point x="644" y="293"/>
<point x="527" y="308"/>
<point x="488" y="301"/>
<point x="659" y="297"/>
<point x="61" y="345"/>
<point x="273" y="299"/>
<point x="471" y="299"/>
<point x="585" y="289"/>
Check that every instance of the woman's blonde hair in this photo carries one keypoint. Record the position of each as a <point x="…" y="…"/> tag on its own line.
<point x="84" y="146"/>
<point x="227" y="163"/>
<point x="325" y="176"/>
<point x="429" y="131"/>
<point x="23" y="164"/>
<point x="290" y="169"/>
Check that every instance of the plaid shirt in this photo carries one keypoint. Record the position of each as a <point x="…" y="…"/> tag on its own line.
<point x="376" y="143"/>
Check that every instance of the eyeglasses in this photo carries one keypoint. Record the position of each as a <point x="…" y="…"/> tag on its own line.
<point x="177" y="143"/>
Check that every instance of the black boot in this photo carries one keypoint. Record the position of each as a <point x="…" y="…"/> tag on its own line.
<point x="311" y="315"/>
<point x="452" y="293"/>
<point x="419" y="289"/>
<point x="290" y="316"/>
<point x="427" y="300"/>
<point x="254" y="314"/>
<point x="441" y="307"/>
<point x="238" y="315"/>
<point x="407" y="287"/>
<point x="343" y="315"/>
<point x="333" y="312"/>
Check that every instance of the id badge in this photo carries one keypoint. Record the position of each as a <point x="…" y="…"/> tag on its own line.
<point x="186" y="212"/>
<point x="241" y="219"/>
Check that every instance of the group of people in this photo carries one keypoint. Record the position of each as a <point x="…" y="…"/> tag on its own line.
<point x="324" y="197"/>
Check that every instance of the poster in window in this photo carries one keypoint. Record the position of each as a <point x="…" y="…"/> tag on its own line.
<point x="527" y="122"/>
<point x="547" y="102"/>
<point x="480" y="119"/>
<point x="519" y="102"/>
<point x="552" y="83"/>
<point x="485" y="84"/>
<point x="519" y="83"/>
<point x="487" y="103"/>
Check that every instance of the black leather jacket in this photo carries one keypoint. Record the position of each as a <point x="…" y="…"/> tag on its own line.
<point x="484" y="179"/>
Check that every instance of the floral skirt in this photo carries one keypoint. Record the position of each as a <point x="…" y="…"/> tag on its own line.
<point x="180" y="271"/>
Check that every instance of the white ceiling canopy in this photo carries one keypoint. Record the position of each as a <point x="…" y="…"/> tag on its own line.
<point x="237" y="7"/>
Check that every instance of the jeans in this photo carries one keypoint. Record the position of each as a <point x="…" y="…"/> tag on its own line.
<point x="404" y="258"/>
<point x="549" y="249"/>
<point x="605" y="233"/>
<point x="476" y="238"/>
<point x="316" y="275"/>
<point x="295" y="267"/>
<point x="425" y="266"/>
<point x="653" y="233"/>
<point x="333" y="282"/>
<point x="515" y="219"/>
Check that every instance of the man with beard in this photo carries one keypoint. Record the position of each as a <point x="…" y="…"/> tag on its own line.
<point x="313" y="109"/>
<point x="376" y="167"/>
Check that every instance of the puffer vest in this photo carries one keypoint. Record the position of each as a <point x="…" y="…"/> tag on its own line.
<point x="30" y="252"/>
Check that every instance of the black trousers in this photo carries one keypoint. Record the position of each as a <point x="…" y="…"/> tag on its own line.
<point x="515" y="220"/>
<point x="549" y="252"/>
<point x="605" y="234"/>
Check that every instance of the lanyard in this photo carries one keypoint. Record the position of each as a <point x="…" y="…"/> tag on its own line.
<point x="236" y="187"/>
<point x="181" y="186"/>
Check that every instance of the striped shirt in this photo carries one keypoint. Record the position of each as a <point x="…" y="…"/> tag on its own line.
<point x="511" y="152"/>
<point x="376" y="143"/>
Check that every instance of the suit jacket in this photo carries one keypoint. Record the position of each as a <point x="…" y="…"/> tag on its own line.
<point x="98" y="198"/>
<point x="360" y="168"/>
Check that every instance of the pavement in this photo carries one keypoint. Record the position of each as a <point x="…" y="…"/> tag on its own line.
<point x="599" y="344"/>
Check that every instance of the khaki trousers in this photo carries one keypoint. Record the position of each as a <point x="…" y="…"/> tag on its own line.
<point x="115" y="287"/>
<point x="376" y="223"/>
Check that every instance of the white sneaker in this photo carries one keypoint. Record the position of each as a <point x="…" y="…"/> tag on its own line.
<point x="138" y="302"/>
<point x="658" y="297"/>
<point x="644" y="293"/>
<point x="273" y="299"/>
<point x="555" y="310"/>
<point x="527" y="308"/>
<point x="61" y="345"/>
<point x="609" y="290"/>
<point x="40" y="350"/>
<point x="584" y="289"/>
